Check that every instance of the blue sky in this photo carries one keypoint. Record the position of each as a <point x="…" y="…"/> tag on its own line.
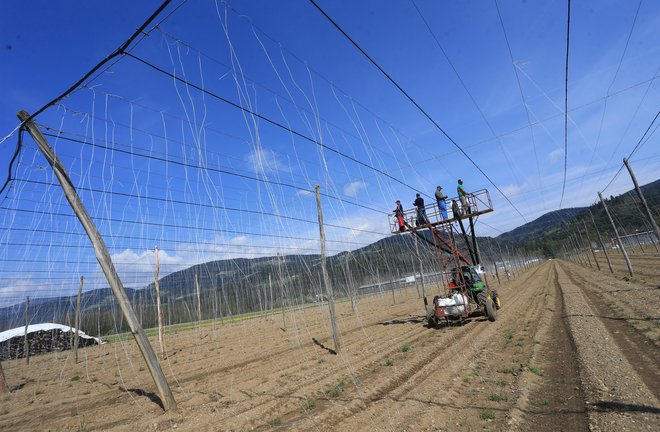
<point x="285" y="61"/>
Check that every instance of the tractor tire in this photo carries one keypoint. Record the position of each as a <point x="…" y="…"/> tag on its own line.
<point x="491" y="311"/>
<point x="496" y="299"/>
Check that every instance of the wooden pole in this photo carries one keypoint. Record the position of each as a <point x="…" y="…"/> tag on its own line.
<point x="26" y="342"/>
<point x="159" y="310"/>
<point x="270" y="287"/>
<point x="421" y="272"/>
<point x="349" y="283"/>
<point x="199" y="302"/>
<point x="326" y="276"/>
<point x="3" y="383"/>
<point x="105" y="261"/>
<point x="600" y="241"/>
<point x="654" y="225"/>
<point x="616" y="233"/>
<point x="77" y="321"/>
<point x="583" y="243"/>
<point x="586" y="231"/>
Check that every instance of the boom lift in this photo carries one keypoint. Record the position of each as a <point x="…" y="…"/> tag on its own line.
<point x="468" y="291"/>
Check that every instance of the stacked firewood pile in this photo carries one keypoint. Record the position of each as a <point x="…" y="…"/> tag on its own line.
<point x="40" y="342"/>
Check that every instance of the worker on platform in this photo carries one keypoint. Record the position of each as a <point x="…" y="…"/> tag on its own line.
<point x="421" y="210"/>
<point x="398" y="214"/>
<point x="442" y="204"/>
<point x="462" y="195"/>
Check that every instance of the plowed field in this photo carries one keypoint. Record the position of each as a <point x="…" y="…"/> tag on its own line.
<point x="572" y="349"/>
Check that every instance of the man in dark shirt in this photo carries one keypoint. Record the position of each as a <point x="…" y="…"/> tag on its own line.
<point x="421" y="211"/>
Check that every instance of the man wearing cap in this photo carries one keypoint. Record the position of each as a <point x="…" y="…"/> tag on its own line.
<point x="462" y="195"/>
<point x="442" y="205"/>
<point x="421" y="210"/>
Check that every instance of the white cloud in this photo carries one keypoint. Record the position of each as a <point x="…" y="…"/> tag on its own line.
<point x="512" y="189"/>
<point x="556" y="155"/>
<point x="266" y="161"/>
<point x="352" y="188"/>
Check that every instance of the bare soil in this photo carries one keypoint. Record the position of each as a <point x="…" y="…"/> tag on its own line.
<point x="572" y="350"/>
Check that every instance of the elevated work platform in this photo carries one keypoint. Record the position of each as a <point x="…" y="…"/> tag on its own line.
<point x="479" y="203"/>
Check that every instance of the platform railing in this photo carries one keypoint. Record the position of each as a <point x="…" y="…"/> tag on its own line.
<point x="479" y="202"/>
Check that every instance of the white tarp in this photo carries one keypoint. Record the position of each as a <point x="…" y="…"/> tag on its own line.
<point x="20" y="331"/>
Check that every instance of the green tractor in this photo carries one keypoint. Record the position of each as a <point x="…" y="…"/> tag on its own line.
<point x="470" y="281"/>
<point x="468" y="296"/>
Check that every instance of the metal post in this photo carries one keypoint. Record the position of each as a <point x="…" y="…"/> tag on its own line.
<point x="77" y="336"/>
<point x="105" y="261"/>
<point x="616" y="233"/>
<point x="656" y="230"/>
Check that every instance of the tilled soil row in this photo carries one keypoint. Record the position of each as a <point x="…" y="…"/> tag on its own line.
<point x="551" y="397"/>
<point x="616" y="392"/>
<point x="429" y="391"/>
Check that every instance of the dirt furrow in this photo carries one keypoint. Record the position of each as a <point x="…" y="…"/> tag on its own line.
<point x="635" y="347"/>
<point x="616" y="395"/>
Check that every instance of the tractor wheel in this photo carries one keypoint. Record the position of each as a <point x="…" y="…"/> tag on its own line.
<point x="491" y="311"/>
<point x="496" y="299"/>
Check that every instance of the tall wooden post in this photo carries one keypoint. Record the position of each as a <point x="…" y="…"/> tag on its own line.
<point x="326" y="276"/>
<point x="421" y="272"/>
<point x="270" y="287"/>
<point x="654" y="225"/>
<point x="600" y="241"/>
<point x="3" y="383"/>
<point x="77" y="321"/>
<point x="105" y="261"/>
<point x="159" y="310"/>
<point x="508" y="258"/>
<point x="586" y="232"/>
<point x="199" y="302"/>
<point x="26" y="342"/>
<point x="616" y="233"/>
<point x="349" y="284"/>
<point x="584" y="243"/>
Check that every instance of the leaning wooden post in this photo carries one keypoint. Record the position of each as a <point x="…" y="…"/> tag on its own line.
<point x="199" y="302"/>
<point x="600" y="241"/>
<point x="616" y="233"/>
<point x="77" y="321"/>
<point x="26" y="342"/>
<point x="159" y="311"/>
<point x="105" y="261"/>
<point x="656" y="230"/>
<point x="584" y="243"/>
<point x="586" y="231"/>
<point x="326" y="276"/>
